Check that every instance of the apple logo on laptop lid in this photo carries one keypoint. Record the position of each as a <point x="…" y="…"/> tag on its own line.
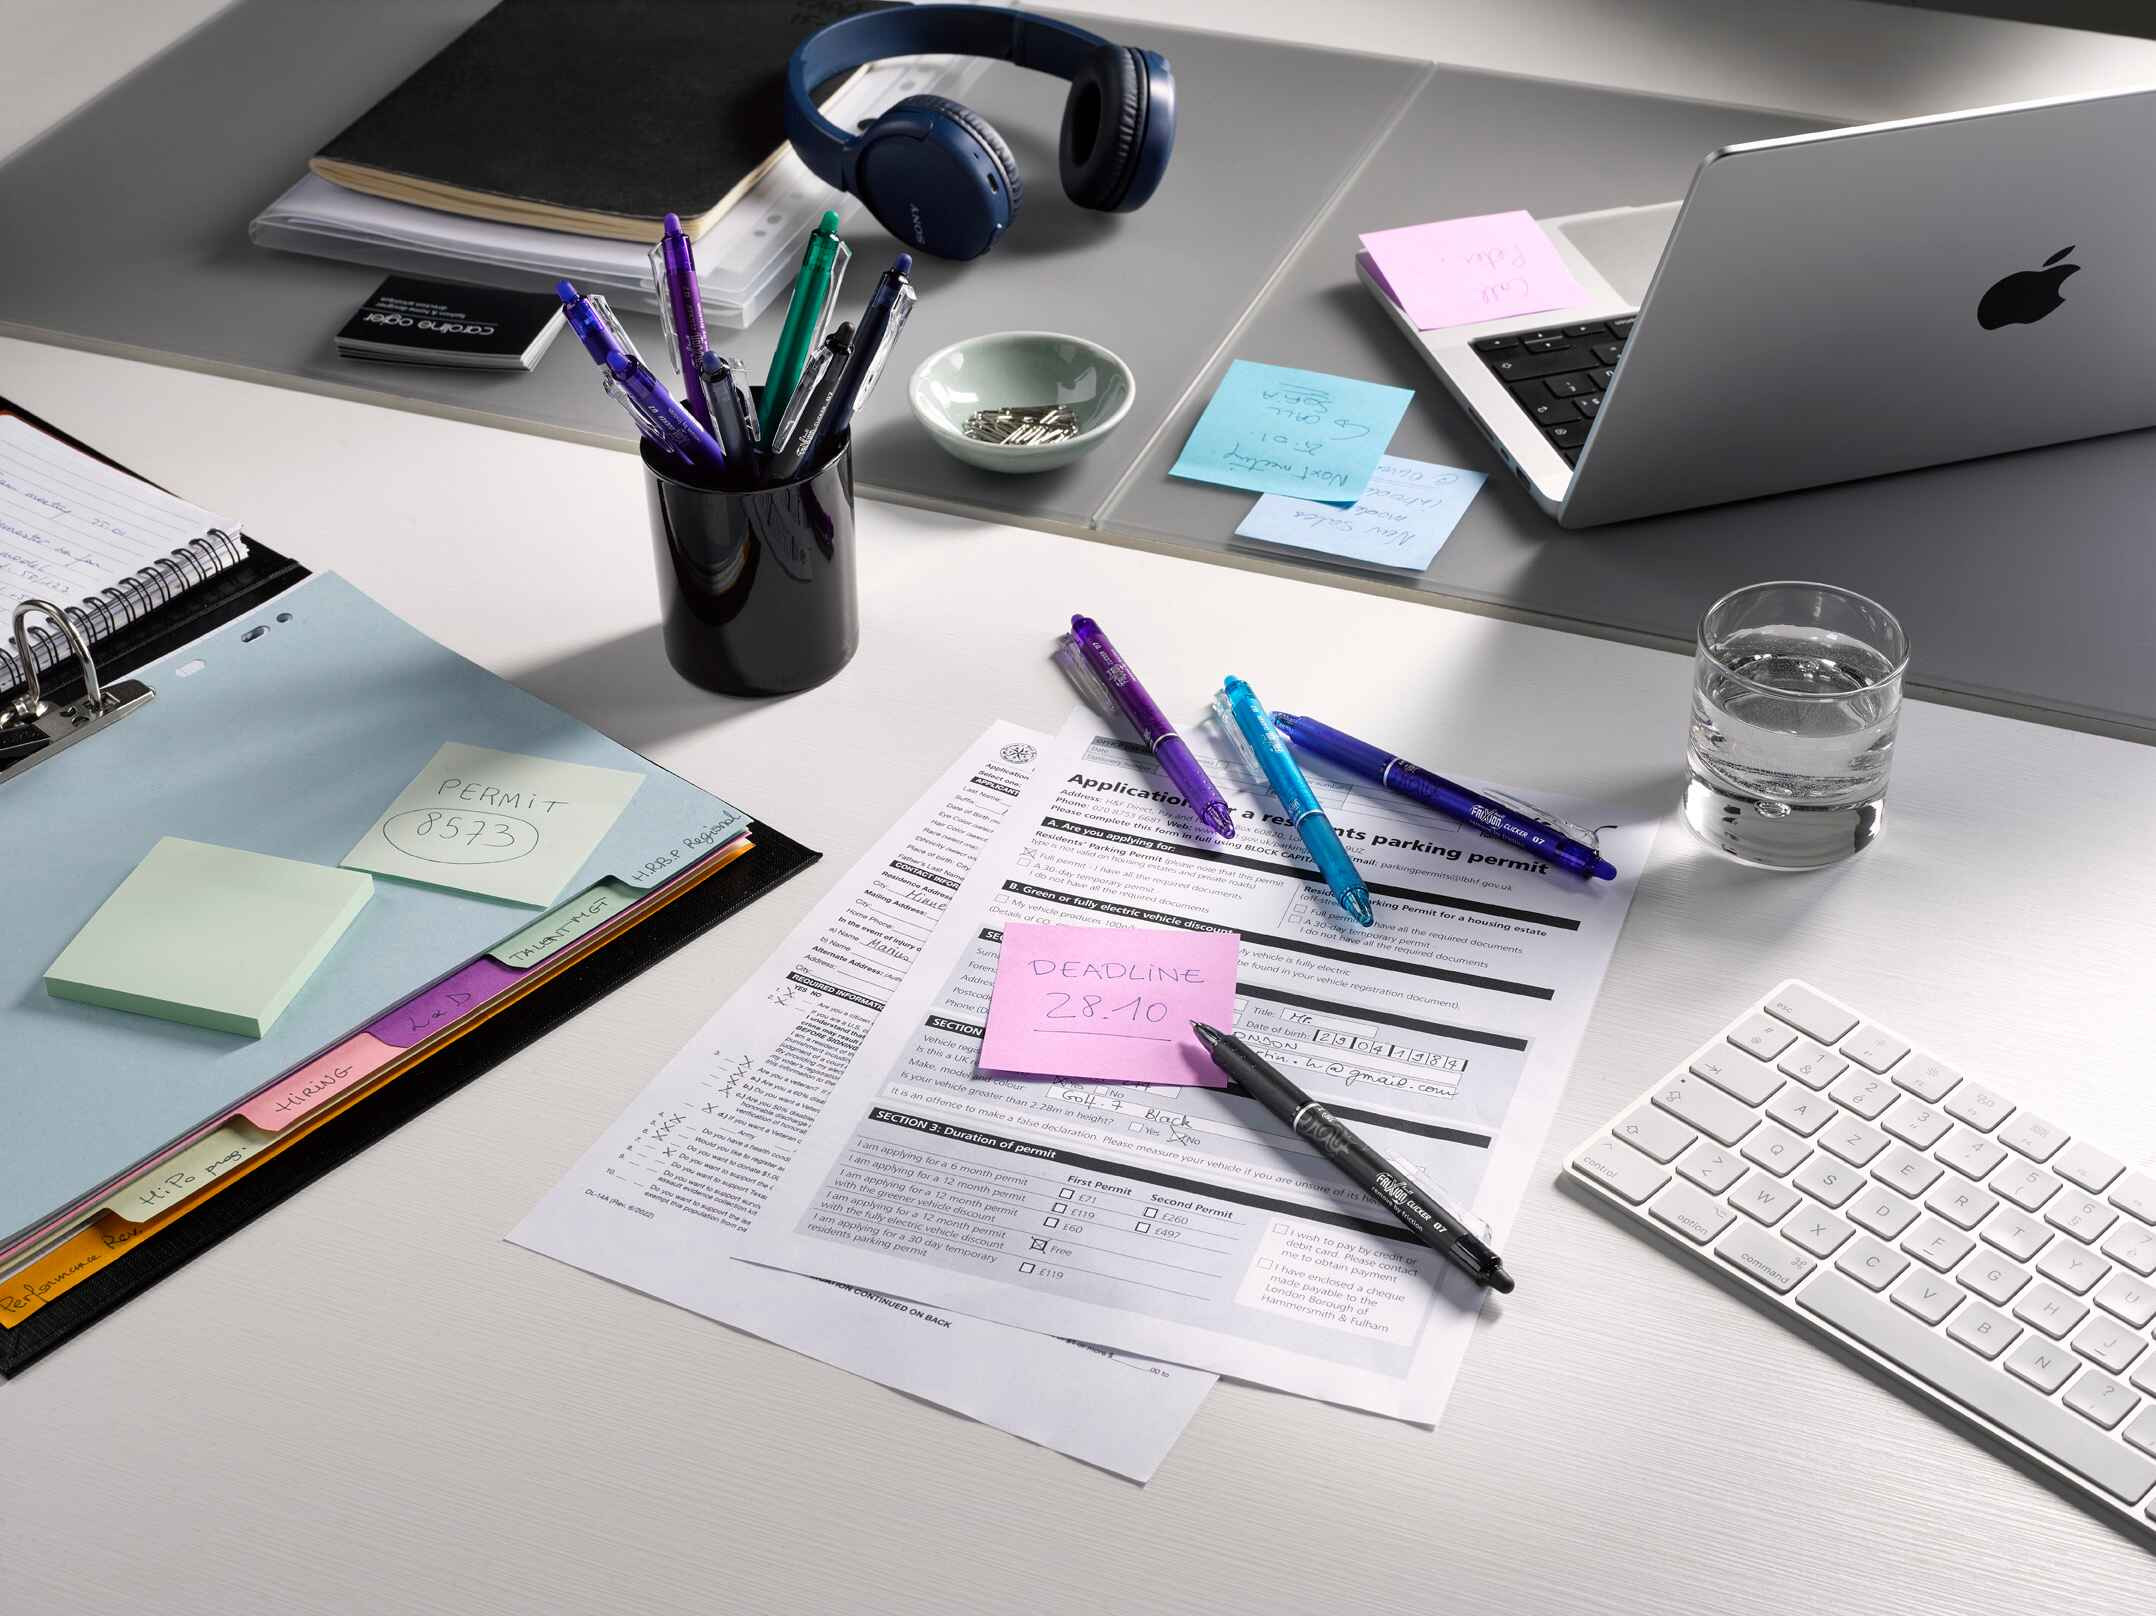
<point x="2027" y="295"/>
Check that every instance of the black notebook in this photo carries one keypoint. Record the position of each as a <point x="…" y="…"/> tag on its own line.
<point x="597" y="117"/>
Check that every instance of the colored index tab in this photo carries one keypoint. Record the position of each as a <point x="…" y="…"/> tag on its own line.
<point x="323" y="1079"/>
<point x="499" y="824"/>
<point x="1279" y="431"/>
<point x="443" y="1003"/>
<point x="1109" y="1004"/>
<point x="172" y="1180"/>
<point x="581" y="915"/>
<point x="1463" y="271"/>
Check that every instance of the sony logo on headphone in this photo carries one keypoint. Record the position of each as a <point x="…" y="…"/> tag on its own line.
<point x="920" y="231"/>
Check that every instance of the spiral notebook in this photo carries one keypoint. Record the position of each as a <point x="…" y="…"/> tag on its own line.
<point x="106" y="547"/>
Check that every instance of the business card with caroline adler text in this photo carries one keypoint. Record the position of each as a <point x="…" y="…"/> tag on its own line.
<point x="419" y="322"/>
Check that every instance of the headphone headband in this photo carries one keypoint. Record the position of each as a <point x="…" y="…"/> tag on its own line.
<point x="1040" y="43"/>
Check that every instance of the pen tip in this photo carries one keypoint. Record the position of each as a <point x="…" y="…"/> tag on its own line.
<point x="1208" y="1036"/>
<point x="903" y="264"/>
<point x="671" y="224"/>
<point x="1498" y="1280"/>
<point x="565" y="291"/>
<point x="1358" y="904"/>
<point x="1218" y="820"/>
<point x="829" y="226"/>
<point x="1604" y="870"/>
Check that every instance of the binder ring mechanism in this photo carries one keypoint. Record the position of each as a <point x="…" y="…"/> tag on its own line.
<point x="99" y="706"/>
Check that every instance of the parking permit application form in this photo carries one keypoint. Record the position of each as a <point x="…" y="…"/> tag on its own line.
<point x="1187" y="1224"/>
<point x="660" y="1201"/>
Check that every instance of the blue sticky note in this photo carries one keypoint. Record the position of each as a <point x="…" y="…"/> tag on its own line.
<point x="1402" y="520"/>
<point x="1297" y="432"/>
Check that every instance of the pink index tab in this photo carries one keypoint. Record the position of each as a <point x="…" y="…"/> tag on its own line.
<point x="323" y="1079"/>
<point x="443" y="1003"/>
<point x="1109" y="1004"/>
<point x="1461" y="271"/>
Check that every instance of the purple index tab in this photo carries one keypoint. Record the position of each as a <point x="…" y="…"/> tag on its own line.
<point x="449" y="1000"/>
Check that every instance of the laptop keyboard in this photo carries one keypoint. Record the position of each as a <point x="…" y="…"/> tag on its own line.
<point x="1559" y="375"/>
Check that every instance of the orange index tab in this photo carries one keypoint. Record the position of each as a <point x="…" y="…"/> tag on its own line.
<point x="321" y="1080"/>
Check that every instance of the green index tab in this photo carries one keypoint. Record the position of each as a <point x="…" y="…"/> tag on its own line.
<point x="212" y="936"/>
<point x="588" y="910"/>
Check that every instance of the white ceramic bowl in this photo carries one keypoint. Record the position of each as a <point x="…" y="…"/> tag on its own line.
<point x="1021" y="367"/>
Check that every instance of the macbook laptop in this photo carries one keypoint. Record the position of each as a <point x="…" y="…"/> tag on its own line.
<point x="1832" y="306"/>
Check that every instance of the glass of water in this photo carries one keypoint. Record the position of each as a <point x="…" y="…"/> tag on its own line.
<point x="1796" y="694"/>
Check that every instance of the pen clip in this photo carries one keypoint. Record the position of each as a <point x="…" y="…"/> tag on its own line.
<point x="1070" y="657"/>
<point x="662" y="287"/>
<point x="607" y="317"/>
<point x="660" y="432"/>
<point x="723" y="376"/>
<point x="797" y="402"/>
<point x="841" y="256"/>
<point x="1527" y="810"/>
<point x="1239" y="743"/>
<point x="901" y="308"/>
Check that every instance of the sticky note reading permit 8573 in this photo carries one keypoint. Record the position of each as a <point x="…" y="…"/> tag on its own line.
<point x="1109" y="1004"/>
<point x="496" y="823"/>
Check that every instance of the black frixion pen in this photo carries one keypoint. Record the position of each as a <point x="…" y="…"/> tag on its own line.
<point x="1427" y="1218"/>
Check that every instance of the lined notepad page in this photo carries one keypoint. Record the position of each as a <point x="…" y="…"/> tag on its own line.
<point x="105" y="545"/>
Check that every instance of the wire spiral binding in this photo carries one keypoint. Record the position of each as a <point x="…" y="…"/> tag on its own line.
<point x="131" y="599"/>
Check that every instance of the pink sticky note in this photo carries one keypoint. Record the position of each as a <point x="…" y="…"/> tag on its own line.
<point x="1109" y="1004"/>
<point x="1459" y="271"/>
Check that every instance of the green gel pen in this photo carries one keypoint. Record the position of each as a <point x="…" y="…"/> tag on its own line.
<point x="823" y="266"/>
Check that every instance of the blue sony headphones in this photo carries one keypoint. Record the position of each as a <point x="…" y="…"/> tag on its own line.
<point x="935" y="173"/>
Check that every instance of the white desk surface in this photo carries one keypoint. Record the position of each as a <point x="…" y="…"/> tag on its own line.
<point x="367" y="1401"/>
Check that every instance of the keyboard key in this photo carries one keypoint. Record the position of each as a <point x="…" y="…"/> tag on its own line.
<point x="1588" y="404"/>
<point x="1608" y="353"/>
<point x="1927" y="1079"/>
<point x="2082" y="1216"/>
<point x="1820" y="1233"/>
<point x="1612" y="1162"/>
<point x="1905" y="1170"/>
<point x="1691" y="1214"/>
<point x="2069" y="1442"/>
<point x="1494" y="344"/>
<point x="1623" y="327"/>
<point x="2132" y="1245"/>
<point x="1761" y="1036"/>
<point x="2019" y="1236"/>
<point x="2088" y="1167"/>
<point x="1765" y="1200"/>
<point x="1567" y="386"/>
<point x="1978" y="1106"/>
<point x="2135" y="1193"/>
<point x="1855" y="1141"/>
<point x="2109" y="1345"/>
<point x="1592" y="329"/>
<point x="1571" y="457"/>
<point x="2098" y="1398"/>
<point x="2144" y="1375"/>
<point x="1566" y="434"/>
<point x="1734" y="1072"/>
<point x="2142" y="1431"/>
<point x="2050" y="1310"/>
<point x="1871" y="1264"/>
<point x="1539" y="345"/>
<point x="1873" y="1049"/>
<point x="1706" y="1108"/>
<point x="1825" y="1179"/>
<point x="2043" y="1364"/>
<point x="2071" y="1266"/>
<point x="1800" y="1111"/>
<point x="1918" y="1126"/>
<point x="1524" y="366"/>
<point x="1548" y="334"/>
<point x="1771" y="1260"/>
<point x="1883" y="1212"/>
<point x="1962" y="1205"/>
<point x="1549" y="411"/>
<point x="1776" y="1149"/>
<point x="1656" y="1134"/>
<point x="2031" y="1135"/>
<point x="2026" y="1185"/>
<point x="1711" y="1167"/>
<point x="1863" y="1093"/>
<point x="1811" y="1065"/>
<point x="1969" y="1153"/>
<point x="2128" y="1300"/>
<point x="1995" y="1279"/>
<point x="1601" y="377"/>
<point x="1937" y="1245"/>
<point x="1984" y="1331"/>
<point x="1929" y="1297"/>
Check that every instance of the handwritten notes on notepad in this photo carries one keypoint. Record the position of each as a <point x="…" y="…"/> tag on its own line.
<point x="495" y="823"/>
<point x="1402" y="520"/>
<point x="1109" y="1004"/>
<point x="1279" y="431"/>
<point x="1459" y="271"/>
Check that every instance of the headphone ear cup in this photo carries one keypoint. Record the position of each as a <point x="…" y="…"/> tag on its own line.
<point x="1014" y="185"/>
<point x="1103" y="128"/>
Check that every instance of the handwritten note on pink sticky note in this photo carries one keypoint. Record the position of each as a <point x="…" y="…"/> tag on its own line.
<point x="1109" y="1004"/>
<point x="1459" y="271"/>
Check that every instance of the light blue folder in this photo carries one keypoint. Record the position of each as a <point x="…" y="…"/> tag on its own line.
<point x="303" y="720"/>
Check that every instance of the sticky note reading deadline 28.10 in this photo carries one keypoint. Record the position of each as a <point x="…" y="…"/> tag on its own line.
<point x="1109" y="1004"/>
<point x="496" y="823"/>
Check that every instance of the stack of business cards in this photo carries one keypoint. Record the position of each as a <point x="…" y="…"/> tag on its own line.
<point x="417" y="322"/>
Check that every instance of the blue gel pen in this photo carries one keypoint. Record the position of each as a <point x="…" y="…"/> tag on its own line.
<point x="1246" y="719"/>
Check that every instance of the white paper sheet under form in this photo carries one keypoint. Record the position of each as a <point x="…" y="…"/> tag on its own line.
<point x="1189" y="1224"/>
<point x="659" y="1203"/>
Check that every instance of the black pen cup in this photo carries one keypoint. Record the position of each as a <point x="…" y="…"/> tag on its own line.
<point x="757" y="593"/>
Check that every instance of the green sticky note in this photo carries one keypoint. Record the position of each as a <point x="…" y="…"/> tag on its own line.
<point x="212" y="936"/>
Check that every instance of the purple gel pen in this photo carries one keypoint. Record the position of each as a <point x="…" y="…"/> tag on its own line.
<point x="1107" y="666"/>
